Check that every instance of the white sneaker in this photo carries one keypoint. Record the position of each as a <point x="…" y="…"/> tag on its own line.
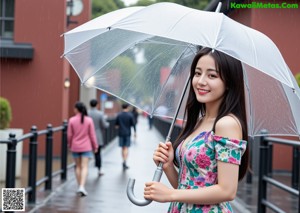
<point x="82" y="192"/>
<point x="100" y="173"/>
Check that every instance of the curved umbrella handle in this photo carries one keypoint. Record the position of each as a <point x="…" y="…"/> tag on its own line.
<point x="159" y="170"/>
<point x="130" y="188"/>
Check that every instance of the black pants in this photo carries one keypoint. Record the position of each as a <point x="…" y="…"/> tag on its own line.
<point x="98" y="160"/>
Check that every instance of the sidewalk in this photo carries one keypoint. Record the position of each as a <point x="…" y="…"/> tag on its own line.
<point x="108" y="192"/>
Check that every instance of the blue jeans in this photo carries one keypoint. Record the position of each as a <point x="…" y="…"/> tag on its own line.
<point x="88" y="154"/>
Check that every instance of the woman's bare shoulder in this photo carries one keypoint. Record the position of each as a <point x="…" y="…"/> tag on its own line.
<point x="229" y="126"/>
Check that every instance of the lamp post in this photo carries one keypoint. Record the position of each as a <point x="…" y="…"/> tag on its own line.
<point x="74" y="8"/>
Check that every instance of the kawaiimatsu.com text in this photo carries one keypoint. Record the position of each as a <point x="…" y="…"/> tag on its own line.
<point x="260" y="5"/>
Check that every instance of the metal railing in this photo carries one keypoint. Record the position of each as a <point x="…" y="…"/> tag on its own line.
<point x="265" y="173"/>
<point x="33" y="136"/>
<point x="163" y="126"/>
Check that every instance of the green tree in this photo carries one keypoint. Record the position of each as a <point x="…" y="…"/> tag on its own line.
<point x="144" y="3"/>
<point x="100" y="7"/>
<point x="297" y="76"/>
<point x="188" y="3"/>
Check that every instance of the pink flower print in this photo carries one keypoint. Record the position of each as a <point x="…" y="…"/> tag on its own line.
<point x="210" y="177"/>
<point x="235" y="141"/>
<point x="199" y="181"/>
<point x="183" y="175"/>
<point x="233" y="160"/>
<point x="175" y="209"/>
<point x="203" y="161"/>
<point x="191" y="154"/>
<point x="206" y="208"/>
<point x="218" y="138"/>
<point x="203" y="149"/>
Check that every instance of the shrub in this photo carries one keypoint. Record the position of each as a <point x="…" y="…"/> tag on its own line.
<point x="298" y="79"/>
<point x="5" y="113"/>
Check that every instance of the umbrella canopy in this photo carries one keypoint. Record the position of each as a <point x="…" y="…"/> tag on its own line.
<point x="143" y="55"/>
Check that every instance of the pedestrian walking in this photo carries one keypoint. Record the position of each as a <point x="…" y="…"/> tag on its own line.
<point x="135" y="115"/>
<point x="150" y="121"/>
<point x="82" y="142"/>
<point x="211" y="151"/>
<point x="100" y="124"/>
<point x="124" y="123"/>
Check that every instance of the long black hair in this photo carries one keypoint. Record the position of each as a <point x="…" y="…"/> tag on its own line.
<point x="82" y="109"/>
<point x="231" y="73"/>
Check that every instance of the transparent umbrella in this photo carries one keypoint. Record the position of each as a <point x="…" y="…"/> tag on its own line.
<point x="142" y="55"/>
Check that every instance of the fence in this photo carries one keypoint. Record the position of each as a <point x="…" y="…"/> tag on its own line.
<point x="33" y="137"/>
<point x="265" y="173"/>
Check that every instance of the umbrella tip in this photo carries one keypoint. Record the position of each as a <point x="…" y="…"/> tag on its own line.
<point x="218" y="9"/>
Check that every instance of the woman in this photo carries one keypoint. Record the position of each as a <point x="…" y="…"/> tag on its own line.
<point x="211" y="150"/>
<point x="82" y="142"/>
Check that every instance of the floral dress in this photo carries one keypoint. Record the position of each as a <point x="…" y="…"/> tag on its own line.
<point x="198" y="167"/>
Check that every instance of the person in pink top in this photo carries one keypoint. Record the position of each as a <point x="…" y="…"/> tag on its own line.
<point x="82" y="142"/>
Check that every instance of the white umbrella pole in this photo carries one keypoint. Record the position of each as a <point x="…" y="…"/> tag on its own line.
<point x="159" y="170"/>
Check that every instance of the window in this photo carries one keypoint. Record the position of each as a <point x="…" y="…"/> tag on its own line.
<point x="7" y="8"/>
<point x="9" y="48"/>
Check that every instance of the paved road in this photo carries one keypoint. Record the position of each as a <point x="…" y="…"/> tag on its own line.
<point x="107" y="194"/>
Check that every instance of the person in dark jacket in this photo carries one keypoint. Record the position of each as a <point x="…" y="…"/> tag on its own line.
<point x="124" y="122"/>
<point x="135" y="114"/>
<point x="100" y="123"/>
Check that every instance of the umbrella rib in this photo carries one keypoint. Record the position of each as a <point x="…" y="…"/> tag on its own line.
<point x="254" y="47"/>
<point x="218" y="32"/>
<point x="125" y="89"/>
<point x="164" y="85"/>
<point x="186" y="14"/>
<point x="249" y="99"/>
<point x="292" y="112"/>
<point x="112" y="58"/>
<point x="79" y="43"/>
<point x="165" y="43"/>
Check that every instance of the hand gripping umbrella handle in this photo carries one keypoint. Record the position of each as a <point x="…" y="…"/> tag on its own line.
<point x="130" y="188"/>
<point x="159" y="170"/>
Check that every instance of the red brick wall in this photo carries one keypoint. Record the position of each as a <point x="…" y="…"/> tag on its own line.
<point x="35" y="87"/>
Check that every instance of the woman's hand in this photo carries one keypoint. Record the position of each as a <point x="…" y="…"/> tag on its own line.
<point x="157" y="191"/>
<point x="165" y="154"/>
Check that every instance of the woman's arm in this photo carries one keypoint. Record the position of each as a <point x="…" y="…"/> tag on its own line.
<point x="70" y="134"/>
<point x="165" y="154"/>
<point x="92" y="135"/>
<point x="172" y="176"/>
<point x="224" y="190"/>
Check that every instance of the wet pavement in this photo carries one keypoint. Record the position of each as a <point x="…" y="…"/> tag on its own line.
<point x="108" y="192"/>
<point x="247" y="195"/>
